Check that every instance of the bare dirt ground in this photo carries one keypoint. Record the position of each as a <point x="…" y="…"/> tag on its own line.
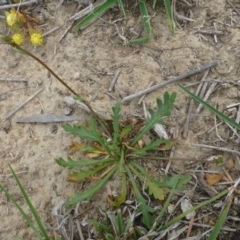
<point x="87" y="61"/>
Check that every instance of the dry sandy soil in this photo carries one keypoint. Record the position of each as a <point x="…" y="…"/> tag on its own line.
<point x="87" y="61"/>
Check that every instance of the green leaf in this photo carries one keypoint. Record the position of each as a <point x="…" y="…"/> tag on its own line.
<point x="166" y="204"/>
<point x="81" y="131"/>
<point x="98" y="226"/>
<point x="81" y="175"/>
<point x="109" y="237"/>
<point x="116" y="122"/>
<point x="169" y="14"/>
<point x="122" y="8"/>
<point x="119" y="222"/>
<point x="163" y="110"/>
<point x="221" y="220"/>
<point x="170" y="183"/>
<point x="116" y="129"/>
<point x="18" y="50"/>
<point x="93" y="134"/>
<point x="125" y="131"/>
<point x="31" y="207"/>
<point x="151" y="147"/>
<point x="150" y="183"/>
<point x="143" y="207"/>
<point x="87" y="195"/>
<point x="95" y="14"/>
<point x="212" y="109"/>
<point x="70" y="164"/>
<point x="146" y="22"/>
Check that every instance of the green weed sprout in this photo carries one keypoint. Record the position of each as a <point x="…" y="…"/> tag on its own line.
<point x="116" y="226"/>
<point x="106" y="5"/>
<point x="119" y="154"/>
<point x="37" y="226"/>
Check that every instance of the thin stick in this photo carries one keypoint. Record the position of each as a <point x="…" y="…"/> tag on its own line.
<point x="79" y="230"/>
<point x="209" y="92"/>
<point x="18" y="4"/>
<point x="238" y="115"/>
<point x="51" y="31"/>
<point x="217" y="148"/>
<point x="203" y="90"/>
<point x="160" y="85"/>
<point x="170" y="161"/>
<point x="143" y="96"/>
<point x="233" y="105"/>
<point x="15" y="89"/>
<point x="65" y="32"/>
<point x="210" y="32"/>
<point x="233" y="7"/>
<point x="114" y="80"/>
<point x="14" y="79"/>
<point x="191" y="104"/>
<point x="23" y="104"/>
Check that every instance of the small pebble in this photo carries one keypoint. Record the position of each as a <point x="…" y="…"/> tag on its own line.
<point x="230" y="164"/>
<point x="68" y="111"/>
<point x="76" y="75"/>
<point x="13" y="64"/>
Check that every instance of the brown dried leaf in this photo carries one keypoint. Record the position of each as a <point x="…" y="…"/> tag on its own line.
<point x="75" y="146"/>
<point x="93" y="155"/>
<point x="212" y="179"/>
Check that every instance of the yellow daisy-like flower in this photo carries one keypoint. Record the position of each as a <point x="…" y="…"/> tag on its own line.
<point x="11" y="17"/>
<point x="36" y="39"/>
<point x="18" y="38"/>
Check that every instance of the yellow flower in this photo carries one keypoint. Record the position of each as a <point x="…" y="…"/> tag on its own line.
<point x="17" y="38"/>
<point x="36" y="39"/>
<point x="11" y="17"/>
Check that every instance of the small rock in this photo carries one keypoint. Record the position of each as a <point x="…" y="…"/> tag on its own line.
<point x="68" y="111"/>
<point x="13" y="64"/>
<point x="76" y="76"/>
<point x="230" y="164"/>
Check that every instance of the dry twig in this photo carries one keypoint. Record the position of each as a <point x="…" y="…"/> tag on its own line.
<point x="160" y="85"/>
<point x="18" y="4"/>
<point x="217" y="148"/>
<point x="208" y="93"/>
<point x="230" y="3"/>
<point x="114" y="80"/>
<point x="190" y="107"/>
<point x="23" y="104"/>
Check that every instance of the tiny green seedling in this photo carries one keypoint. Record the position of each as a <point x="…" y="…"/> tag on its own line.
<point x="106" y="5"/>
<point x="117" y="226"/>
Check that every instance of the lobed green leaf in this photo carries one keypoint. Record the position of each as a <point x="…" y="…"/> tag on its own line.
<point x="163" y="110"/>
<point x="70" y="164"/>
<point x="151" y="147"/>
<point x="87" y="195"/>
<point x="143" y="207"/>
